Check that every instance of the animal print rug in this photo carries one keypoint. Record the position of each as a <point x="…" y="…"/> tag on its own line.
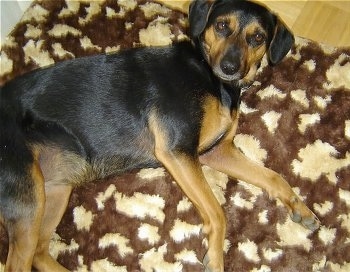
<point x="295" y="119"/>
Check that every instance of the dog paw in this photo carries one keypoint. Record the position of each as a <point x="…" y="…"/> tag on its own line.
<point x="301" y="214"/>
<point x="209" y="266"/>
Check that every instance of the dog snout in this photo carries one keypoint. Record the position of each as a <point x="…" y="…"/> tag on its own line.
<point x="229" y="67"/>
<point x="230" y="64"/>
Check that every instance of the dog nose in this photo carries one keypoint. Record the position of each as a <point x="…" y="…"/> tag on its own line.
<point x="228" y="67"/>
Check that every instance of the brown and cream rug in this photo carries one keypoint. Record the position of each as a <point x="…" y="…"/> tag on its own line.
<point x="295" y="120"/>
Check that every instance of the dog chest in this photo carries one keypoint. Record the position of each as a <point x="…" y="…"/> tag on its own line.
<point x="217" y="120"/>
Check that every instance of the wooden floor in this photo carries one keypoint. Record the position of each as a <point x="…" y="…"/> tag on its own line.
<point x="323" y="21"/>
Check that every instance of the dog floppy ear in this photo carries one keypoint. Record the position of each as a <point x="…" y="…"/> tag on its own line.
<point x="281" y="43"/>
<point x="198" y="17"/>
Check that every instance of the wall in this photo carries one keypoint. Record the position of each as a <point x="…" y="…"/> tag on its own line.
<point x="10" y="13"/>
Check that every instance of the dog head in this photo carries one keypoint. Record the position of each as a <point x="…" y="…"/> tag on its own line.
<point x="234" y="35"/>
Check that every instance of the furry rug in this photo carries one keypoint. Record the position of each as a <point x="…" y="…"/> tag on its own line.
<point x="295" y="120"/>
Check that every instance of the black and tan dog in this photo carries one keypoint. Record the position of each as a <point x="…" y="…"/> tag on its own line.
<point x="99" y="116"/>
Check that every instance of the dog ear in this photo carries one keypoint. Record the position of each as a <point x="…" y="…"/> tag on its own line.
<point x="198" y="17"/>
<point x="281" y="43"/>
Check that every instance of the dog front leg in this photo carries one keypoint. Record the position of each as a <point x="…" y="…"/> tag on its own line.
<point x="226" y="158"/>
<point x="186" y="169"/>
<point x="188" y="174"/>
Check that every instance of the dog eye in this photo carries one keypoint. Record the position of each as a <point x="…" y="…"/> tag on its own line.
<point x="259" y="38"/>
<point x="256" y="39"/>
<point x="222" y="27"/>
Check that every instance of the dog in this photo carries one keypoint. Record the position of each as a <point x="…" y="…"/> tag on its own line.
<point x="175" y="106"/>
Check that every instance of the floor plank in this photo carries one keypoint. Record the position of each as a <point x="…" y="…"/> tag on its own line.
<point x="323" y="21"/>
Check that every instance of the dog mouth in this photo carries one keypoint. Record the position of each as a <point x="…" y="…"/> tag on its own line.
<point x="235" y="79"/>
<point x="225" y="77"/>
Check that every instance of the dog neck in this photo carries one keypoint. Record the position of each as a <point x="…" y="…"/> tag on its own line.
<point x="230" y="96"/>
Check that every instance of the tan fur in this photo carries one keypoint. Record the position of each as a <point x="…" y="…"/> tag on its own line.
<point x="216" y="121"/>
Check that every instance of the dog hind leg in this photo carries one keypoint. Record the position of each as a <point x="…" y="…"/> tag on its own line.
<point x="23" y="225"/>
<point x="61" y="170"/>
<point x="57" y="197"/>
